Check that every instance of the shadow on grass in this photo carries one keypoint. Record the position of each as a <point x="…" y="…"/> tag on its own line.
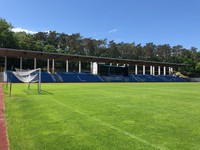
<point x="35" y="92"/>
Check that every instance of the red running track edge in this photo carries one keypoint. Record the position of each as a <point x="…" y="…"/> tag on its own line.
<point x="3" y="131"/>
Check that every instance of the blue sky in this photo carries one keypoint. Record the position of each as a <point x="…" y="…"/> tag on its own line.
<point x="174" y="22"/>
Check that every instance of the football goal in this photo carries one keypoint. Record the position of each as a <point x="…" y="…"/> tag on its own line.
<point x="27" y="76"/>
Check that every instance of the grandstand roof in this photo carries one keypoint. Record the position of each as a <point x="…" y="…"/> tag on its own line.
<point x="16" y="53"/>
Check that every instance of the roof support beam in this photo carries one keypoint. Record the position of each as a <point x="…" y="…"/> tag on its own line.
<point x="20" y="64"/>
<point x="67" y="66"/>
<point x="79" y="67"/>
<point x="48" y="65"/>
<point x="5" y="63"/>
<point x="35" y="63"/>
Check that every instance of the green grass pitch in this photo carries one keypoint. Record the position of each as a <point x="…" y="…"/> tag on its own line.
<point x="104" y="116"/>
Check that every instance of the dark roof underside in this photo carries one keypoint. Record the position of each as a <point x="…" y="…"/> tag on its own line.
<point x="63" y="57"/>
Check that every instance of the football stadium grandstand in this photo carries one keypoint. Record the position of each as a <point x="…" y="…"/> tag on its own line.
<point x="58" y="67"/>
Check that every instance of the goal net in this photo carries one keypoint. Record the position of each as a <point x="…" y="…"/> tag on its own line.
<point x="28" y="76"/>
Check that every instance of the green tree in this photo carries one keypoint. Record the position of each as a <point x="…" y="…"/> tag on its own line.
<point x="52" y="38"/>
<point x="101" y="49"/>
<point x="113" y="50"/>
<point x="197" y="67"/>
<point x="39" y="45"/>
<point x="127" y="50"/>
<point x="164" y="52"/>
<point x="150" y="50"/>
<point x="24" y="40"/>
<point x="194" y="53"/>
<point x="139" y="52"/>
<point x="94" y="47"/>
<point x="75" y="44"/>
<point x="6" y="35"/>
<point x="176" y="53"/>
<point x="62" y="41"/>
<point x="50" y="48"/>
<point x="41" y="36"/>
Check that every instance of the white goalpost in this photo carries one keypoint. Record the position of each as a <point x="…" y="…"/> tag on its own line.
<point x="28" y="76"/>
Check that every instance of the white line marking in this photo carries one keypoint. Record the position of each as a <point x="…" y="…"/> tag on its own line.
<point x="114" y="128"/>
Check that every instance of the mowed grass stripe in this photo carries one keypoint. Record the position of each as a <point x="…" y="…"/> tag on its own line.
<point x="105" y="116"/>
<point x="113" y="127"/>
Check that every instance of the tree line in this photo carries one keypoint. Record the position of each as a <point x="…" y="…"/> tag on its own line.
<point x="55" y="42"/>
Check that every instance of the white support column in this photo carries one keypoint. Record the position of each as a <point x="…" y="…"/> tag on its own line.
<point x="169" y="70"/>
<point x="151" y="72"/>
<point x="143" y="69"/>
<point x="35" y="63"/>
<point x="47" y="65"/>
<point x="153" y="68"/>
<point x="110" y="64"/>
<point x="5" y="69"/>
<point x="94" y="68"/>
<point x="164" y="71"/>
<point x="67" y="66"/>
<point x="136" y="70"/>
<point x="5" y="64"/>
<point x="117" y="65"/>
<point x="91" y="67"/>
<point x="53" y="66"/>
<point x="79" y="67"/>
<point x="20" y="63"/>
<point x="172" y="70"/>
<point x="159" y="70"/>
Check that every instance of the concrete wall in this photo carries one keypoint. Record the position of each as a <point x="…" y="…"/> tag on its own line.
<point x="194" y="79"/>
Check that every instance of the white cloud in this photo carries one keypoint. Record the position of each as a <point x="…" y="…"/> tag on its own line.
<point x="113" y="30"/>
<point x="23" y="30"/>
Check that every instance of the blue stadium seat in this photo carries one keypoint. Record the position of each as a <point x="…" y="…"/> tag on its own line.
<point x="12" y="78"/>
<point x="46" y="77"/>
<point x="69" y="77"/>
<point x="87" y="77"/>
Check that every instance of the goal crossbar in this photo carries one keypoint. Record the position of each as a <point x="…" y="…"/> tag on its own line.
<point x="28" y="76"/>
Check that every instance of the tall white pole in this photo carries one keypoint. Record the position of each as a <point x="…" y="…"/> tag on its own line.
<point x="136" y="70"/>
<point x="67" y="66"/>
<point x="143" y="69"/>
<point x="164" y="71"/>
<point x="91" y="67"/>
<point x="79" y="66"/>
<point x="5" y="74"/>
<point x="172" y="70"/>
<point x="159" y="70"/>
<point x="169" y="70"/>
<point x="153" y="68"/>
